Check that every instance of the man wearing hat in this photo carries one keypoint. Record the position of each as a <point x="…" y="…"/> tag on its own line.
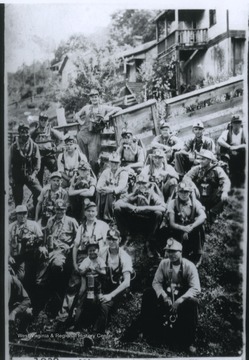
<point x="131" y="154"/>
<point x="45" y="137"/>
<point x="161" y="174"/>
<point x="25" y="248"/>
<point x="91" y="118"/>
<point x="140" y="212"/>
<point x="82" y="186"/>
<point x="233" y="150"/>
<point x="90" y="228"/>
<point x="186" y="218"/>
<point x="46" y="200"/>
<point x="169" y="310"/>
<point x="167" y="141"/>
<point x="24" y="165"/>
<point x="60" y="233"/>
<point x="186" y="158"/>
<point x="211" y="181"/>
<point x="69" y="160"/>
<point x="119" y="273"/>
<point x="111" y="184"/>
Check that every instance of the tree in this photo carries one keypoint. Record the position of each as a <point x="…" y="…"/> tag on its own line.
<point x="128" y="23"/>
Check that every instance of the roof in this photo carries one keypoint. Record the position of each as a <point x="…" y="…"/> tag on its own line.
<point x="141" y="48"/>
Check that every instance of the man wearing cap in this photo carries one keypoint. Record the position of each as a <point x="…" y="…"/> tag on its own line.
<point x="25" y="248"/>
<point x="45" y="136"/>
<point x="186" y="218"/>
<point x="119" y="271"/>
<point x="24" y="165"/>
<point x="111" y="184"/>
<point x="69" y="160"/>
<point x="233" y="150"/>
<point x="186" y="158"/>
<point x="92" y="118"/>
<point x="167" y="141"/>
<point x="211" y="181"/>
<point x="169" y="310"/>
<point x="132" y="155"/>
<point x="82" y="186"/>
<point x="140" y="211"/>
<point x="46" y="200"/>
<point x="60" y="233"/>
<point x="161" y="174"/>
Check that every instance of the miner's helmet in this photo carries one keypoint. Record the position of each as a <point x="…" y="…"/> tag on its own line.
<point x="163" y="124"/>
<point x="43" y="116"/>
<point x="92" y="242"/>
<point x="21" y="209"/>
<point x="69" y="137"/>
<point x="114" y="158"/>
<point x="236" y="119"/>
<point x="89" y="204"/>
<point x="60" y="204"/>
<point x="174" y="245"/>
<point x="158" y="153"/>
<point x="184" y="187"/>
<point x="83" y="165"/>
<point x="126" y="131"/>
<point x="113" y="234"/>
<point x="55" y="174"/>
<point x="94" y="92"/>
<point x="22" y="126"/>
<point x="207" y="154"/>
<point x="198" y="124"/>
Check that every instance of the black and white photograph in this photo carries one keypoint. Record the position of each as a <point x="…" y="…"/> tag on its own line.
<point x="125" y="157"/>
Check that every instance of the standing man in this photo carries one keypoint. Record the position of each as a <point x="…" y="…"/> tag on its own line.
<point x="186" y="158"/>
<point x="169" y="309"/>
<point x="166" y="141"/>
<point x="24" y="165"/>
<point x="233" y="150"/>
<point x="211" y="181"/>
<point x="44" y="136"/>
<point x="92" y="119"/>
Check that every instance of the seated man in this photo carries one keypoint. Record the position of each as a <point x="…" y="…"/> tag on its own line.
<point x="160" y="173"/>
<point x="169" y="310"/>
<point x="140" y="211"/>
<point x="211" y="181"/>
<point x="186" y="219"/>
<point x="166" y="141"/>
<point x="233" y="150"/>
<point x="20" y="311"/>
<point x="68" y="161"/>
<point x="186" y="158"/>
<point x="119" y="270"/>
<point x="111" y="184"/>
<point x="82" y="186"/>
<point x="131" y="154"/>
<point x="25" y="249"/>
<point x="46" y="200"/>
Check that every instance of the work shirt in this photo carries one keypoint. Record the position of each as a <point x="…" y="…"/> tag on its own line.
<point x="232" y="139"/>
<point x="92" y="264"/>
<point x="67" y="163"/>
<point x="44" y="138"/>
<point x="17" y="234"/>
<point x="48" y="197"/>
<point x="122" y="260"/>
<point x="194" y="144"/>
<point x="98" y="229"/>
<point x="147" y="198"/>
<point x="119" y="180"/>
<point x="62" y="232"/>
<point x="215" y="177"/>
<point x="128" y="156"/>
<point x="169" y="141"/>
<point x="184" y="210"/>
<point x="185" y="275"/>
<point x="162" y="173"/>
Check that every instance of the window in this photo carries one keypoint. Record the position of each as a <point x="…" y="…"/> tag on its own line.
<point x="212" y="17"/>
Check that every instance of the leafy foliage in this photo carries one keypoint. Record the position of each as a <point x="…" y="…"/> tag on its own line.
<point x="126" y="24"/>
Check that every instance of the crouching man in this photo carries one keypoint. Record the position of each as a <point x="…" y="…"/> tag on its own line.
<point x="169" y="309"/>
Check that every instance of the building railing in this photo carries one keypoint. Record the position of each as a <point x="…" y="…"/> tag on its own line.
<point x="188" y="37"/>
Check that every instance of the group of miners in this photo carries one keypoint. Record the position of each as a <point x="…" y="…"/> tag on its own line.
<point x="67" y="253"/>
